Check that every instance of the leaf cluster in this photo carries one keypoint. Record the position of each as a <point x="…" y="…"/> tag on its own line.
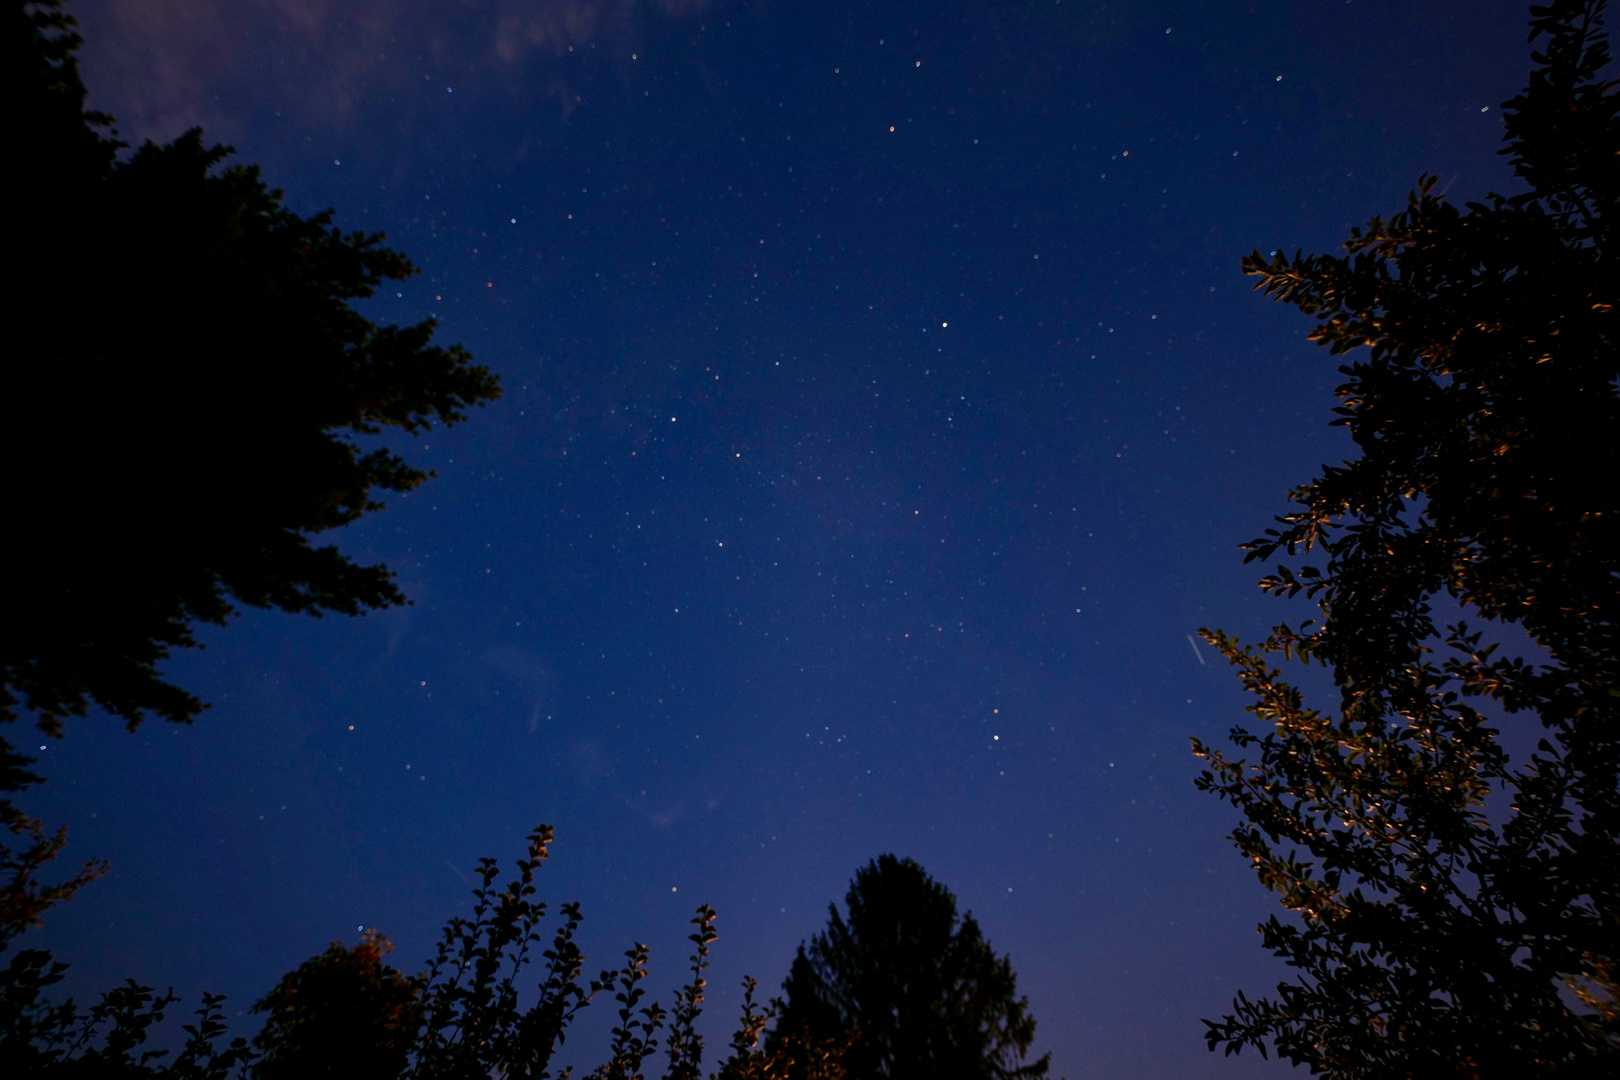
<point x="1452" y="909"/>
<point x="473" y="1024"/>
<point x="788" y="1053"/>
<point x="106" y="1041"/>
<point x="26" y="849"/>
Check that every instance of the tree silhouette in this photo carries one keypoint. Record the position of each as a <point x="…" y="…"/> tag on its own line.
<point x="914" y="986"/>
<point x="192" y="396"/>
<point x="24" y="897"/>
<point x="1456" y="913"/>
<point x="344" y="1013"/>
<point x="348" y="1013"/>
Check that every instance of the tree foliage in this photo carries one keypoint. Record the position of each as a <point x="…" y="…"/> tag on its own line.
<point x="467" y="1016"/>
<point x="193" y="396"/>
<point x="473" y="1024"/>
<point x="24" y="897"/>
<point x="344" y="1013"/>
<point x="789" y="1053"/>
<point x="912" y="985"/>
<point x="1454" y="909"/>
<point x="39" y="1038"/>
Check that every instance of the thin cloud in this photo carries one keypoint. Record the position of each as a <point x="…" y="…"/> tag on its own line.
<point x="162" y="66"/>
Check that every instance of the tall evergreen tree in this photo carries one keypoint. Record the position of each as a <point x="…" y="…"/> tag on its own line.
<point x="915" y="986"/>
<point x="1455" y="912"/>
<point x="188" y="387"/>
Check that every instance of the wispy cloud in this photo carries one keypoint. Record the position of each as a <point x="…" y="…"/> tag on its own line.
<point x="162" y="66"/>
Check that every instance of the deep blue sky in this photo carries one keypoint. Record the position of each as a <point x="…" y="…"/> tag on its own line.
<point x="884" y="407"/>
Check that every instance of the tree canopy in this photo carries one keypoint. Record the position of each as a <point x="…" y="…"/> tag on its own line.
<point x="1455" y="911"/>
<point x="344" y="1013"/>
<point x="347" y="1012"/>
<point x="914" y="986"/>
<point x="193" y="395"/>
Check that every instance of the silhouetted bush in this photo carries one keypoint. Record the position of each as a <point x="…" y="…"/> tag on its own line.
<point x="468" y="1016"/>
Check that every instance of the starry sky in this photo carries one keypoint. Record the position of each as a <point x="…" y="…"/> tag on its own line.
<point x="884" y="407"/>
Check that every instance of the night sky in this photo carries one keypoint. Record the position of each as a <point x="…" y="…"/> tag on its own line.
<point x="884" y="407"/>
